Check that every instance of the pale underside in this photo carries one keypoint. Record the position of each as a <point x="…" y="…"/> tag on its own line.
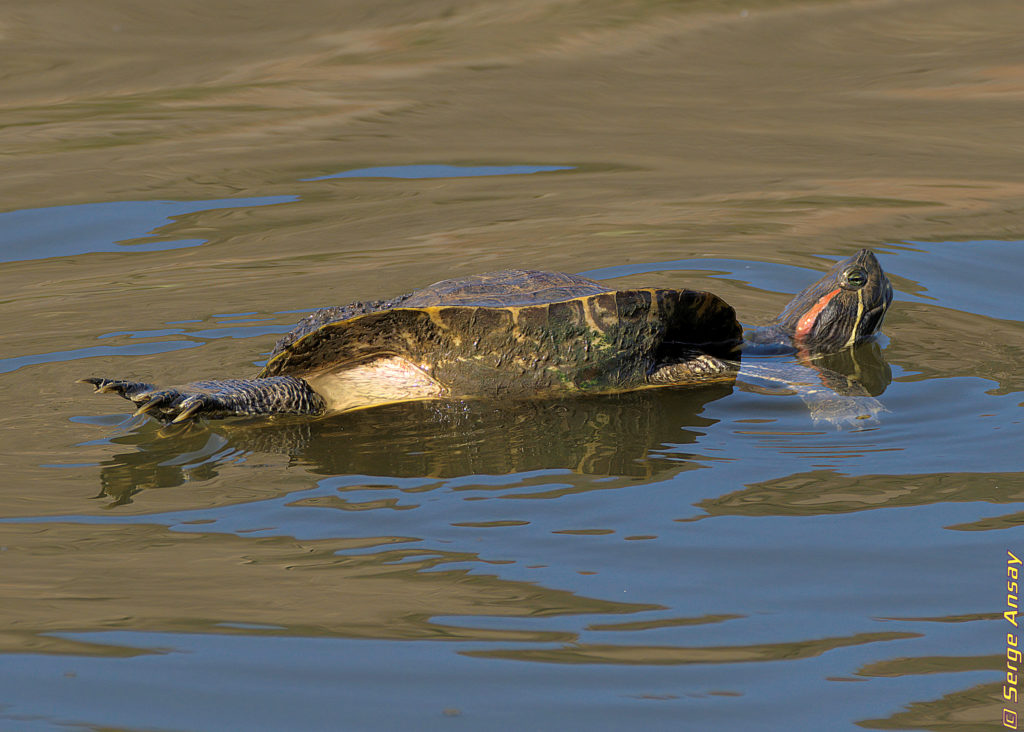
<point x="391" y="379"/>
<point x="373" y="383"/>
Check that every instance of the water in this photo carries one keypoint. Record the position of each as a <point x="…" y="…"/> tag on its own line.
<point x="180" y="188"/>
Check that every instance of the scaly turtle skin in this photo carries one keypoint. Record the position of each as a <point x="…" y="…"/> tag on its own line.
<point x="521" y="333"/>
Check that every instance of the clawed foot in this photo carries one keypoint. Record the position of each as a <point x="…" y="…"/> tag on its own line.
<point x="168" y="404"/>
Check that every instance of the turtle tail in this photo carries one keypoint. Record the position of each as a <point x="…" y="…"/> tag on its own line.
<point x="224" y="398"/>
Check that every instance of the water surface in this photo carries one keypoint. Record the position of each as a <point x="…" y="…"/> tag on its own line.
<point x="181" y="186"/>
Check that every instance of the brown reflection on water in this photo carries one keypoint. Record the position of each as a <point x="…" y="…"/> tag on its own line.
<point x="676" y="655"/>
<point x="664" y="623"/>
<point x="822" y="492"/>
<point x="969" y="618"/>
<point x="62" y="578"/>
<point x="789" y="128"/>
<point x="620" y="436"/>
<point x="931" y="665"/>
<point x="993" y="523"/>
<point x="943" y="343"/>
<point x="979" y="707"/>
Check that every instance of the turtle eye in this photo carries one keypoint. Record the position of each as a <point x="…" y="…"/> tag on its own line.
<point x="856" y="278"/>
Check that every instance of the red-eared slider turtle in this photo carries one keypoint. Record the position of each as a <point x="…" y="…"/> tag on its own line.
<point x="521" y="333"/>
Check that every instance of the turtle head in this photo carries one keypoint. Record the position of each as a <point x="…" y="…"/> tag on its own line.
<point x="843" y="308"/>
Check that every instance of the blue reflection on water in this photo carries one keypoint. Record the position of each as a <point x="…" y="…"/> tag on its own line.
<point x="143" y="349"/>
<point x="443" y="171"/>
<point x="140" y="349"/>
<point x="980" y="277"/>
<point x="63" y="231"/>
<point x="262" y="682"/>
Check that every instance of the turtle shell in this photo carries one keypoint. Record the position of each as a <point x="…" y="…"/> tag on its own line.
<point x="508" y="288"/>
<point x="521" y="332"/>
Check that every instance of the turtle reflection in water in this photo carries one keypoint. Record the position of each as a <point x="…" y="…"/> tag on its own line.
<point x="520" y="333"/>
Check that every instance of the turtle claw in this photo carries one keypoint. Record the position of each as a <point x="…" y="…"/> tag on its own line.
<point x="128" y="389"/>
<point x="190" y="407"/>
<point x="142" y="410"/>
<point x="99" y="385"/>
<point x="154" y="401"/>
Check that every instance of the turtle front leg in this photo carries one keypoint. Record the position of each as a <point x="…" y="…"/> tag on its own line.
<point x="224" y="398"/>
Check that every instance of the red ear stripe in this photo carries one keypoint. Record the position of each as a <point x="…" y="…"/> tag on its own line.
<point x="806" y="323"/>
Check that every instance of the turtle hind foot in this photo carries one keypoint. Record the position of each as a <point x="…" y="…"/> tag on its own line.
<point x="224" y="398"/>
<point x="168" y="404"/>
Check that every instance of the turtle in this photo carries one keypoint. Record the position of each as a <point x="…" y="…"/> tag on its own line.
<point x="522" y="334"/>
